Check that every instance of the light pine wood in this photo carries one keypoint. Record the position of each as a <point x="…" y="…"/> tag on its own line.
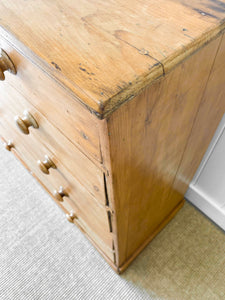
<point x="92" y="209"/>
<point x="6" y="65"/>
<point x="89" y="208"/>
<point x="211" y="111"/>
<point x="60" y="194"/>
<point x="98" y="240"/>
<point x="46" y="164"/>
<point x="152" y="70"/>
<point x="26" y="121"/>
<point x="61" y="108"/>
<point x="105" y="146"/>
<point x="107" y="51"/>
<point x="147" y="138"/>
<point x="8" y="145"/>
<point x="71" y="216"/>
<point x="54" y="143"/>
<point x="122" y="268"/>
<point x="90" y="213"/>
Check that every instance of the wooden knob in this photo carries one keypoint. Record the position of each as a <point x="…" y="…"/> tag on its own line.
<point x="71" y="216"/>
<point x="26" y="121"/>
<point x="60" y="194"/>
<point x="6" y="65"/>
<point x="8" y="145"/>
<point x="46" y="164"/>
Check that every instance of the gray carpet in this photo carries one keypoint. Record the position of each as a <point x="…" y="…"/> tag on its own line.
<point x="42" y="256"/>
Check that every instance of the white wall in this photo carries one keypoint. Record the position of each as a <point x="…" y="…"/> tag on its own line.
<point x="207" y="189"/>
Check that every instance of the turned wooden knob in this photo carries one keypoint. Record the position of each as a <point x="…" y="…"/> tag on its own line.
<point x="60" y="194"/>
<point x="6" y="64"/>
<point x="71" y="216"/>
<point x="46" y="164"/>
<point x="8" y="145"/>
<point x="25" y="122"/>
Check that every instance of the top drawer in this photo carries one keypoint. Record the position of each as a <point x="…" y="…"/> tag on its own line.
<point x="55" y="103"/>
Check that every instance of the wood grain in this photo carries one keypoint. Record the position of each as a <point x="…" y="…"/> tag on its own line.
<point x="120" y="179"/>
<point x="47" y="140"/>
<point x="58" y="106"/>
<point x="90" y="218"/>
<point x="105" y="146"/>
<point x="211" y="111"/>
<point x="167" y="219"/>
<point x="89" y="211"/>
<point x="147" y="138"/>
<point x="107" y="51"/>
<point x="6" y="65"/>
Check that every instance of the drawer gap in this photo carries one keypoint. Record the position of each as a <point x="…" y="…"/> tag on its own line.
<point x="110" y="220"/>
<point x="106" y="192"/>
<point x="114" y="253"/>
<point x="107" y="205"/>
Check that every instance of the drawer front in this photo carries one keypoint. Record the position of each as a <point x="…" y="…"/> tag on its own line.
<point x="90" y="217"/>
<point x="54" y="102"/>
<point x="93" y="217"/>
<point x="104" y="243"/>
<point x="51" y="141"/>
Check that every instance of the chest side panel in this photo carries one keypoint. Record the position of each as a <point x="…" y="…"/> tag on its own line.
<point x="147" y="138"/>
<point x="211" y="111"/>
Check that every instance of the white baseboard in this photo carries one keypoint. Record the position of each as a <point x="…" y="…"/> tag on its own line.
<point x="207" y="189"/>
<point x="208" y="207"/>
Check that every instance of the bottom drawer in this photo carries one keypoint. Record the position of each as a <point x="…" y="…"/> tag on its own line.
<point x="91" y="217"/>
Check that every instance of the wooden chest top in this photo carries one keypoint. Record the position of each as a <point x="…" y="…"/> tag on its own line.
<point x="105" y="52"/>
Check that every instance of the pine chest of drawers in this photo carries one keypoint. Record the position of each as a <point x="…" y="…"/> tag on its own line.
<point x="111" y="106"/>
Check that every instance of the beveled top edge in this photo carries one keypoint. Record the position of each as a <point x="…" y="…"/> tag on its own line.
<point x="107" y="62"/>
